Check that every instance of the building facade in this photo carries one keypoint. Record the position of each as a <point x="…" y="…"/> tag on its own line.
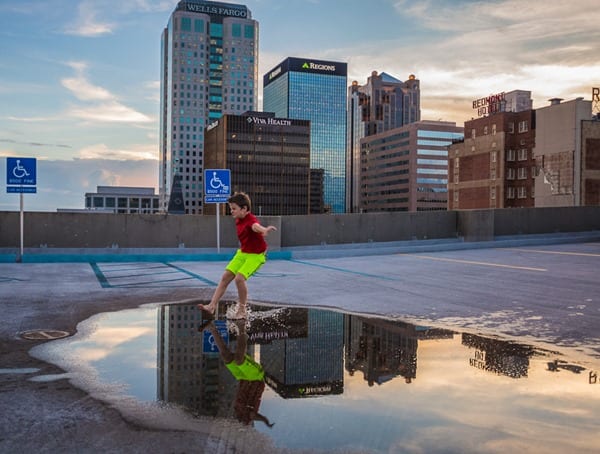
<point x="406" y="169"/>
<point x="269" y="159"/>
<point x="122" y="199"/>
<point x="209" y="67"/>
<point x="315" y="90"/>
<point x="494" y="166"/>
<point x="559" y="146"/>
<point x="382" y="104"/>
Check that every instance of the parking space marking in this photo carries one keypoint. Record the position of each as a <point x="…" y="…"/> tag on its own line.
<point x="108" y="278"/>
<point x="471" y="262"/>
<point x="584" y="254"/>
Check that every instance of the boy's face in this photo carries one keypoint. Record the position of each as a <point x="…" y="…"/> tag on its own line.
<point x="237" y="212"/>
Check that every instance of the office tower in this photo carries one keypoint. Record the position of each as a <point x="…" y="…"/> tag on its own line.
<point x="315" y="90"/>
<point x="209" y="67"/>
<point x="382" y="104"/>
<point x="268" y="158"/>
<point x="406" y="168"/>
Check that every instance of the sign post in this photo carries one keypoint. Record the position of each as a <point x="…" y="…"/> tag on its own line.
<point x="217" y="189"/>
<point x="21" y="177"/>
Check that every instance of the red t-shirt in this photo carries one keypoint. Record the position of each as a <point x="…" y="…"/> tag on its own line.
<point x="250" y="241"/>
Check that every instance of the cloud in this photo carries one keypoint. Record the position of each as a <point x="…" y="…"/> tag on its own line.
<point x="86" y="23"/>
<point x="35" y="144"/>
<point x="104" y="107"/>
<point x="101" y="151"/>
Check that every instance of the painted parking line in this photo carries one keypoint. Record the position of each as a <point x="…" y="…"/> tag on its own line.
<point x="164" y="275"/>
<point x="471" y="262"/>
<point x="537" y="251"/>
<point x="343" y="270"/>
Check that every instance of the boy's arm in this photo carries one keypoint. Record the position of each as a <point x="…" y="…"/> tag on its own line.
<point x="256" y="227"/>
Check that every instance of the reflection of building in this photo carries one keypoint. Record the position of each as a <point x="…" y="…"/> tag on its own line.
<point x="406" y="168"/>
<point x="122" y="199"/>
<point x="209" y="67"/>
<point x="269" y="159"/>
<point x="310" y="365"/>
<point x="500" y="357"/>
<point x="315" y="90"/>
<point x="383" y="103"/>
<point x="382" y="350"/>
<point x="494" y="166"/>
<point x="186" y="376"/>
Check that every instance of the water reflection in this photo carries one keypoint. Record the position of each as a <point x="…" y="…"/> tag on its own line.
<point x="341" y="381"/>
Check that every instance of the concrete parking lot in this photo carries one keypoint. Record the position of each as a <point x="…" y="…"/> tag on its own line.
<point x="546" y="294"/>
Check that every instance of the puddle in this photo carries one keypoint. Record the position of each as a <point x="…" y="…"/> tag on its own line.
<point x="341" y="382"/>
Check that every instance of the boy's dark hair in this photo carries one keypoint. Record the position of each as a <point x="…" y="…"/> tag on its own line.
<point x="241" y="199"/>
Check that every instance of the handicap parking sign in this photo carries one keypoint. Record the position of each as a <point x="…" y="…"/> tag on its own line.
<point x="208" y="342"/>
<point x="217" y="185"/>
<point x="21" y="171"/>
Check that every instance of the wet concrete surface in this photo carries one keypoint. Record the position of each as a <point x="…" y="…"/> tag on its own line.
<point x="546" y="296"/>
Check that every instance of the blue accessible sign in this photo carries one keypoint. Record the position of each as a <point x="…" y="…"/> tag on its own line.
<point x="217" y="185"/>
<point x="21" y="171"/>
<point x="208" y="342"/>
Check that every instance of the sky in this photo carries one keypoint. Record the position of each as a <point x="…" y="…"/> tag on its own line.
<point x="79" y="79"/>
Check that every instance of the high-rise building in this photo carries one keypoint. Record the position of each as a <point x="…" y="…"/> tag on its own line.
<point x="382" y="104"/>
<point x="406" y="168"/>
<point x="315" y="90"/>
<point x="209" y="67"/>
<point x="268" y="158"/>
<point x="494" y="166"/>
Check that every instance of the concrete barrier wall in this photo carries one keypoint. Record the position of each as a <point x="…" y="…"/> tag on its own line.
<point x="82" y="230"/>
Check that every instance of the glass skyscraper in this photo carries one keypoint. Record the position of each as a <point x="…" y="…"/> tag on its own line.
<point x="315" y="90"/>
<point x="209" y="67"/>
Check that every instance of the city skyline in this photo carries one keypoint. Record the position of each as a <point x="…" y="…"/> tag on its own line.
<point x="79" y="83"/>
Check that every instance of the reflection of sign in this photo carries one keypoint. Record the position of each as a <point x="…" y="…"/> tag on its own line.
<point x="294" y="391"/>
<point x="489" y="105"/>
<point x="208" y="342"/>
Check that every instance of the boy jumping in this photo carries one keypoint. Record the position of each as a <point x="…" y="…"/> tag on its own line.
<point x="248" y="258"/>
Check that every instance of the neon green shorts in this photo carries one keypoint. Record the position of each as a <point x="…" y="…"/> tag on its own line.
<point x="249" y="370"/>
<point x="246" y="263"/>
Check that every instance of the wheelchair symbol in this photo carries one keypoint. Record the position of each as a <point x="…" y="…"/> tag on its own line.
<point x="19" y="171"/>
<point x="216" y="183"/>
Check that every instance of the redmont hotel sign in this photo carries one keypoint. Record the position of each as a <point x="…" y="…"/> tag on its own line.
<point x="490" y="104"/>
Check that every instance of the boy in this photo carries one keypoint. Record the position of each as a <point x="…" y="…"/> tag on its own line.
<point x="247" y="260"/>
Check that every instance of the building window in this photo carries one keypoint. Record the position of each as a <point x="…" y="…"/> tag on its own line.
<point x="110" y="202"/>
<point x="98" y="202"/>
<point x="522" y="192"/>
<point x="494" y="129"/>
<point x="510" y="192"/>
<point x="522" y="173"/>
<point x="493" y="174"/>
<point x="510" y="155"/>
<point x="493" y="153"/>
<point x="522" y="154"/>
<point x="473" y="133"/>
<point x="456" y="196"/>
<point x="510" y="174"/>
<point x="511" y="128"/>
<point x="492" y="193"/>
<point x="523" y="126"/>
<point x="485" y="130"/>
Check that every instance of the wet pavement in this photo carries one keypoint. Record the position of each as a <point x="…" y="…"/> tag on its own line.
<point x="482" y="350"/>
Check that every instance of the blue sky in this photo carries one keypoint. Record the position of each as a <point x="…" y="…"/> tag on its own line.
<point x="79" y="79"/>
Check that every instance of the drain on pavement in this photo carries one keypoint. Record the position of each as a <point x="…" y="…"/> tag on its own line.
<point x="44" y="334"/>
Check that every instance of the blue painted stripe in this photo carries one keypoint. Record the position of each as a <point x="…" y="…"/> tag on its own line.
<point x="194" y="275"/>
<point x="100" y="275"/>
<point x="343" y="270"/>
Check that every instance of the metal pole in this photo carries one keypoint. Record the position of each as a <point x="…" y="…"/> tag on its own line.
<point x="218" y="229"/>
<point x="20" y="258"/>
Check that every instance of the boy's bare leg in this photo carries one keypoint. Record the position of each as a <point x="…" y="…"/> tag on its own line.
<point x="226" y="354"/>
<point x="218" y="294"/>
<point x="240" y="282"/>
<point x="241" y="343"/>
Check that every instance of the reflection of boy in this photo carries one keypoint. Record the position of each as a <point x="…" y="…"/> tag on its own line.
<point x="249" y="373"/>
